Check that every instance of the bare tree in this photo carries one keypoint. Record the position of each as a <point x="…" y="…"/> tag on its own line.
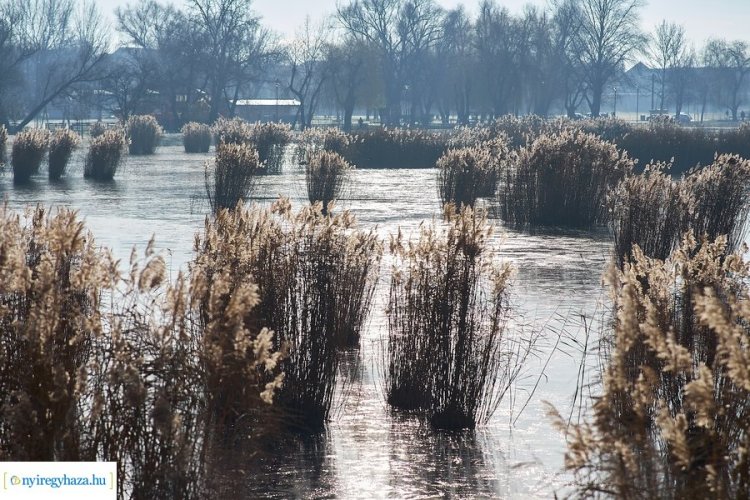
<point x="308" y="69"/>
<point x="403" y="32"/>
<point x="731" y="62"/>
<point x="608" y="36"/>
<point x="351" y="64"/>
<point x="667" y="50"/>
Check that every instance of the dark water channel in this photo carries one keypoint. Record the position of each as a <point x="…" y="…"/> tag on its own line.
<point x="368" y="452"/>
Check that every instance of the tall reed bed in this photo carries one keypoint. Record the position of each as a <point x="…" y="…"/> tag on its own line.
<point x="463" y="175"/>
<point x="100" y="365"/>
<point x="316" y="274"/>
<point x="395" y="148"/>
<point x="144" y="134"/>
<point x="269" y="139"/>
<point x="448" y="357"/>
<point x="29" y="148"/>
<point x="653" y="210"/>
<point x="3" y="146"/>
<point x="231" y="177"/>
<point x="196" y="137"/>
<point x="672" y="417"/>
<point x="61" y="147"/>
<point x="105" y="155"/>
<point x="96" y="129"/>
<point x="325" y="176"/>
<point x="562" y="180"/>
<point x="314" y="140"/>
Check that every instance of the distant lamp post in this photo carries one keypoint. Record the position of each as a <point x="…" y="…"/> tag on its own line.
<point x="277" y="100"/>
<point x="637" y="97"/>
<point x="614" y="109"/>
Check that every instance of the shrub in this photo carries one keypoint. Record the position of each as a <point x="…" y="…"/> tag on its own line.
<point x="448" y="356"/>
<point x="672" y="417"/>
<point x="315" y="275"/>
<point x="395" y="148"/>
<point x="562" y="180"/>
<point x="325" y="174"/>
<point x="131" y="381"/>
<point x="104" y="155"/>
<point x="233" y="175"/>
<point x="96" y="129"/>
<point x="3" y="146"/>
<point x="29" y="149"/>
<point x="271" y="139"/>
<point x="61" y="146"/>
<point x="648" y="210"/>
<point x="196" y="137"/>
<point x="144" y="134"/>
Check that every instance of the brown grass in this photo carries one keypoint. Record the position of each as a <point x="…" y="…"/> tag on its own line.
<point x="325" y="176"/>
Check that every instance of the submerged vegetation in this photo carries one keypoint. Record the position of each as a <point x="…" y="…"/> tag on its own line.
<point x="29" y="148"/>
<point x="449" y="358"/>
<point x="105" y="154"/>
<point x="196" y="137"/>
<point x="61" y="147"/>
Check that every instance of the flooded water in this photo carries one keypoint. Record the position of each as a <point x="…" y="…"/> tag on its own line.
<point x="367" y="451"/>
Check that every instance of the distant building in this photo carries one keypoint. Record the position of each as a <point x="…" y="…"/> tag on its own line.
<point x="267" y="110"/>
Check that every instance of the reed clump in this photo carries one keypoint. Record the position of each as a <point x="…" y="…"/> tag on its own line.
<point x="196" y="137"/>
<point x="270" y="140"/>
<point x="61" y="147"/>
<point x="29" y="148"/>
<point x="672" y="417"/>
<point x="330" y="139"/>
<point x="462" y="174"/>
<point x="649" y="210"/>
<point x="316" y="274"/>
<point x="448" y="357"/>
<point x="325" y="176"/>
<point x="130" y="381"/>
<point x="3" y="146"/>
<point x="562" y="180"/>
<point x="144" y="134"/>
<point x="718" y="199"/>
<point x="96" y="129"/>
<point x="105" y="155"/>
<point x="395" y="148"/>
<point x="231" y="177"/>
<point x="232" y="131"/>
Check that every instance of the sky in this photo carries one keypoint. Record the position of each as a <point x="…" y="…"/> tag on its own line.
<point x="702" y="19"/>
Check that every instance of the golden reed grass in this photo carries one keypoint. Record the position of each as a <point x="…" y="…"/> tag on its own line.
<point x="325" y="176"/>
<point x="29" y="148"/>
<point x="99" y="364"/>
<point x="61" y="147"/>
<point x="672" y="417"/>
<point x="316" y="274"/>
<point x="105" y="155"/>
<point x="448" y="357"/>
<point x="196" y="137"/>
<point x="143" y="133"/>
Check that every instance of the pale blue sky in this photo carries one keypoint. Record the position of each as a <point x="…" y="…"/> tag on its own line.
<point x="701" y="18"/>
